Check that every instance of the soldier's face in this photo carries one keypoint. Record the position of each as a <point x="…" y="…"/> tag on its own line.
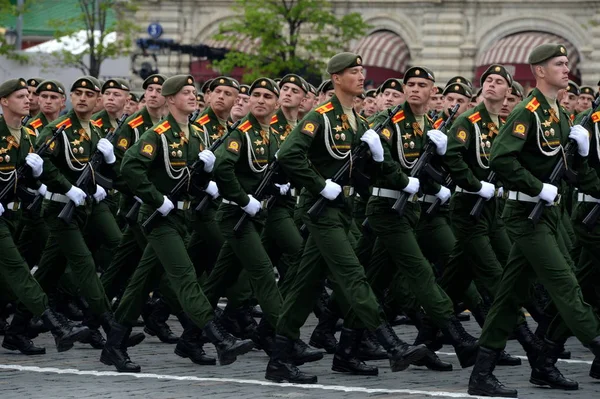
<point x="555" y="72"/>
<point x="358" y="104"/>
<point x="153" y="97"/>
<point x="436" y="102"/>
<point x="569" y="101"/>
<point x="263" y="103"/>
<point x="51" y="102"/>
<point x="222" y="99"/>
<point x="291" y="96"/>
<point x="308" y="102"/>
<point x="184" y="100"/>
<point x="114" y="100"/>
<point x="510" y="102"/>
<point x="391" y="98"/>
<point x="584" y="102"/>
<point x="84" y="100"/>
<point x="350" y="81"/>
<point x="241" y="106"/>
<point x="451" y="99"/>
<point x="418" y="91"/>
<point x="16" y="103"/>
<point x="131" y="107"/>
<point x="34" y="105"/>
<point x="495" y="88"/>
<point x="369" y="106"/>
<point x="328" y="94"/>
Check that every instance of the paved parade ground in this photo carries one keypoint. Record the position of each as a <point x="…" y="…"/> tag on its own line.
<point x="79" y="374"/>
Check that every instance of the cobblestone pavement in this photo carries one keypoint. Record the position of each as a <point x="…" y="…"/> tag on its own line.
<point x="79" y="374"/>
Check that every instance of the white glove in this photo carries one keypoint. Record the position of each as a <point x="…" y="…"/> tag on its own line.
<point x="212" y="189"/>
<point x="100" y="193"/>
<point x="487" y="190"/>
<point x="548" y="193"/>
<point x="283" y="188"/>
<point x="1" y="209"/>
<point x="413" y="186"/>
<point x="166" y="207"/>
<point x="36" y="163"/>
<point x="138" y="199"/>
<point x="331" y="190"/>
<point x="500" y="191"/>
<point x="582" y="137"/>
<point x="372" y="139"/>
<point x="208" y="158"/>
<point x="253" y="206"/>
<point x="439" y="139"/>
<point x="76" y="195"/>
<point x="444" y="194"/>
<point x="42" y="190"/>
<point x="106" y="148"/>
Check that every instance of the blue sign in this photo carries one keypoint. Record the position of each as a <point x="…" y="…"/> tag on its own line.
<point x="155" y="30"/>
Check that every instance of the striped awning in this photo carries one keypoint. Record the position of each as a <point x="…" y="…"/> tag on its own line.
<point x="515" y="49"/>
<point x="384" y="49"/>
<point x="246" y="45"/>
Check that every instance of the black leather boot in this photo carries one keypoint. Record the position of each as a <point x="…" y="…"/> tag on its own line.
<point x="595" y="369"/>
<point x="247" y="323"/>
<point x="545" y="373"/>
<point x="95" y="337"/>
<point x="190" y="345"/>
<point x="483" y="382"/>
<point x="265" y="335"/>
<point x="400" y="353"/>
<point x="464" y="344"/>
<point x="65" y="334"/>
<point x="228" y="347"/>
<point x="428" y="333"/>
<point x="369" y="348"/>
<point x="321" y="304"/>
<point x="345" y="359"/>
<point x="323" y="336"/>
<point x="281" y="369"/>
<point x="15" y="337"/>
<point x="156" y="324"/>
<point x="506" y="359"/>
<point x="107" y="319"/>
<point x="529" y="341"/>
<point x="302" y="353"/>
<point x="115" y="353"/>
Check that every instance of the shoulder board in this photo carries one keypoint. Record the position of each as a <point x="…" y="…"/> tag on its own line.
<point x="533" y="104"/>
<point x="476" y="117"/>
<point x="363" y="118"/>
<point x="135" y="122"/>
<point x="36" y="124"/>
<point x="398" y="117"/>
<point x="66" y="123"/>
<point x="203" y="120"/>
<point x="30" y="132"/>
<point x="429" y="118"/>
<point x="97" y="122"/>
<point x="438" y="123"/>
<point x="244" y="127"/>
<point x="163" y="127"/>
<point x="325" y="108"/>
<point x="596" y="117"/>
<point x="274" y="119"/>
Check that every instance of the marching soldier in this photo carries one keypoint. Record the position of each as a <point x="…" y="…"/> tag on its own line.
<point x="524" y="154"/>
<point x="242" y="104"/>
<point x="34" y="105"/>
<point x="514" y="97"/>
<point x="569" y="98"/>
<point x="325" y="91"/>
<point x="131" y="106"/>
<point x="585" y="99"/>
<point x="369" y="104"/>
<point x="309" y="102"/>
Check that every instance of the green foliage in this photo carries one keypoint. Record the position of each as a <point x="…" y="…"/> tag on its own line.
<point x="7" y="8"/>
<point x="289" y="36"/>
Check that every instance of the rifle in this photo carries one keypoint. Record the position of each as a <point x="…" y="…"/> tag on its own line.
<point x="423" y="166"/>
<point x="12" y="183"/>
<point x="562" y="167"/>
<point x="89" y="174"/>
<point x="182" y="184"/>
<point x="478" y="207"/>
<point x="435" y="206"/>
<point x="319" y="206"/>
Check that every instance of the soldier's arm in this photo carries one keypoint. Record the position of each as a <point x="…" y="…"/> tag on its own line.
<point x="508" y="146"/>
<point x="228" y="155"/>
<point x="51" y="176"/>
<point x="123" y="141"/>
<point x="588" y="180"/>
<point x="391" y="170"/>
<point x="293" y="153"/>
<point x="136" y="166"/>
<point x="459" y="142"/>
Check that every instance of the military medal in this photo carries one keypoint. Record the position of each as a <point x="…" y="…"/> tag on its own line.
<point x="343" y="137"/>
<point x="81" y="150"/>
<point x="552" y="131"/>
<point x="337" y="136"/>
<point x="412" y="145"/>
<point x="1" y="159"/>
<point x="262" y="150"/>
<point x="488" y="144"/>
<point x="179" y="153"/>
<point x="405" y="145"/>
<point x="7" y="158"/>
<point x="546" y="133"/>
<point x="173" y="154"/>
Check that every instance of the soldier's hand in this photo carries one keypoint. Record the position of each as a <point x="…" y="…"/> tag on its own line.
<point x="1" y="209"/>
<point x="283" y="188"/>
<point x="444" y="194"/>
<point x="487" y="190"/>
<point x="42" y="190"/>
<point x="582" y="137"/>
<point x="331" y="190"/>
<point x="413" y="186"/>
<point x="166" y="207"/>
<point x="100" y="193"/>
<point x="548" y="193"/>
<point x="439" y="139"/>
<point x="372" y="139"/>
<point x="212" y="189"/>
<point x="76" y="195"/>
<point x="36" y="163"/>
<point x="208" y="158"/>
<point x="253" y="206"/>
<point x="106" y="148"/>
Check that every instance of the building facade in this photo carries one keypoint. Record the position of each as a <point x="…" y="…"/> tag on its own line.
<point x="452" y="37"/>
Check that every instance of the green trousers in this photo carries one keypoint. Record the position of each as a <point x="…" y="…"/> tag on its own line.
<point x="103" y="234"/>
<point x="33" y="236"/>
<point x="535" y="252"/>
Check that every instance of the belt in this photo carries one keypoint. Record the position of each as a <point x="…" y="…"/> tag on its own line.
<point x="462" y="190"/>
<point x="582" y="198"/>
<point x="518" y="196"/>
<point x="183" y="205"/>
<point x="394" y="194"/>
<point x="294" y="192"/>
<point x="428" y="198"/>
<point x="13" y="206"/>
<point x="112" y="191"/>
<point x="56" y="197"/>
<point x="263" y="203"/>
<point x="348" y="191"/>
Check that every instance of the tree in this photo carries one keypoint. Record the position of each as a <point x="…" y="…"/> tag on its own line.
<point x="98" y="19"/>
<point x="7" y="8"/>
<point x="287" y="36"/>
